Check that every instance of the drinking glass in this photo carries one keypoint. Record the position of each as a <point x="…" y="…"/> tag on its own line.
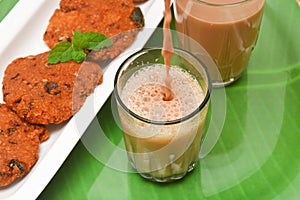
<point x="227" y="30"/>
<point x="159" y="149"/>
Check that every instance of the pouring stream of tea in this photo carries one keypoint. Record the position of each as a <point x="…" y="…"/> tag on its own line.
<point x="167" y="50"/>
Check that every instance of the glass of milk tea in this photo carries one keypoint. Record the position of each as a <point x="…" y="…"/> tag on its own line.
<point x="162" y="136"/>
<point x="227" y="30"/>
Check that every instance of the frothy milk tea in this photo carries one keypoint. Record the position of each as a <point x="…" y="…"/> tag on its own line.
<point x="227" y="30"/>
<point x="159" y="151"/>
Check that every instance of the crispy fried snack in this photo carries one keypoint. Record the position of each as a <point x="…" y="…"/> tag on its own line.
<point x="42" y="93"/>
<point x="19" y="145"/>
<point x="119" y="20"/>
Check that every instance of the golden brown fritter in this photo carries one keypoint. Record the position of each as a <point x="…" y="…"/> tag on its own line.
<point x="42" y="93"/>
<point x="19" y="145"/>
<point x="115" y="19"/>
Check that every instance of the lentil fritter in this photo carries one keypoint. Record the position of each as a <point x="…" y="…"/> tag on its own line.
<point x="19" y="145"/>
<point x="42" y="93"/>
<point x="113" y="18"/>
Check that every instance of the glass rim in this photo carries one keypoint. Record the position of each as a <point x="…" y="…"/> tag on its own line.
<point x="222" y="4"/>
<point x="156" y="122"/>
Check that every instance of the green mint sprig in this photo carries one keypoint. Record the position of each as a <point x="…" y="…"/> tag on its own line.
<point x="74" y="50"/>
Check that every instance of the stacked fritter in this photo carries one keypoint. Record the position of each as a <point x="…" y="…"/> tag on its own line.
<point x="37" y="93"/>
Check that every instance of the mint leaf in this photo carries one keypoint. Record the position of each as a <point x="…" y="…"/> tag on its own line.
<point x="97" y="41"/>
<point x="75" y="50"/>
<point x="60" y="53"/>
<point x="78" y="55"/>
<point x="79" y="40"/>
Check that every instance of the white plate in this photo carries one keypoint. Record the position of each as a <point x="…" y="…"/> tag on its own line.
<point x="21" y="34"/>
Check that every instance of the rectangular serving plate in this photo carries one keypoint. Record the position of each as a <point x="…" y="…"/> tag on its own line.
<point x="21" y="34"/>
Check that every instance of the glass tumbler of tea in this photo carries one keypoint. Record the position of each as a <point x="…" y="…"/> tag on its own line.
<point x="227" y="30"/>
<point x="162" y="135"/>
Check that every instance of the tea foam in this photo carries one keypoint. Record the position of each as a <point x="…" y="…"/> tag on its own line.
<point x="143" y="93"/>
